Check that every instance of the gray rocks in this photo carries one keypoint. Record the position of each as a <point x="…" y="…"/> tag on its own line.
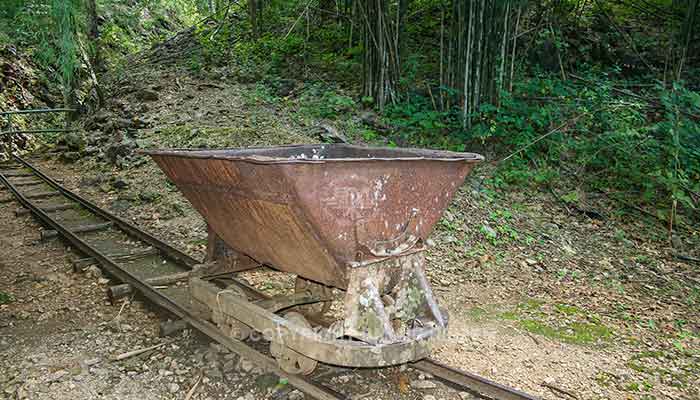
<point x="489" y="232"/>
<point x="329" y="134"/>
<point x="119" y="149"/>
<point x="93" y="271"/>
<point x="229" y="366"/>
<point x="148" y="196"/>
<point x="119" y="183"/>
<point x="70" y="156"/>
<point x="245" y="365"/>
<point x="423" y="384"/>
<point x="147" y="95"/>
<point x="295" y="395"/>
<point x="173" y="388"/>
<point x="285" y="87"/>
<point x="72" y="140"/>
<point x="214" y="373"/>
<point x="266" y="381"/>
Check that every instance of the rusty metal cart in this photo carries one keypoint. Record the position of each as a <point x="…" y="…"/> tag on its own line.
<point x="340" y="217"/>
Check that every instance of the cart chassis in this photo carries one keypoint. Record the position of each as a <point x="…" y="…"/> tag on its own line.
<point x="390" y="315"/>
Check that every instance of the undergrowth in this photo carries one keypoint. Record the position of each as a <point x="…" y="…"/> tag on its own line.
<point x="583" y="133"/>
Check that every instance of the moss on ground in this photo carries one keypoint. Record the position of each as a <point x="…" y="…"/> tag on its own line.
<point x="560" y="322"/>
<point x="5" y="298"/>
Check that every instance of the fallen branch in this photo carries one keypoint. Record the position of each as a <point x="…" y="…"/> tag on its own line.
<point x="193" y="388"/>
<point x="656" y="218"/>
<point x="117" y="292"/>
<point x="557" y="129"/>
<point x="649" y="101"/>
<point x="129" y="354"/>
<point x="684" y="257"/>
<point x="558" y="390"/>
<point x="211" y="85"/>
<point x="590" y="213"/>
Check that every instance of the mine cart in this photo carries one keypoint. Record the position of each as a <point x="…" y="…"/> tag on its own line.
<point x="341" y="218"/>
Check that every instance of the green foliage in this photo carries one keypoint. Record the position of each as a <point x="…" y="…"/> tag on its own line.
<point x="64" y="15"/>
<point x="587" y="134"/>
<point x="422" y="125"/>
<point x="5" y="298"/>
<point x="321" y="102"/>
<point x="53" y="33"/>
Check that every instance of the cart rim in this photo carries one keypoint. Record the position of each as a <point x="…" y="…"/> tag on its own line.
<point x="247" y="154"/>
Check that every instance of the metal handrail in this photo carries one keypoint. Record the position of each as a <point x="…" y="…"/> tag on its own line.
<point x="39" y="131"/>
<point x="38" y="111"/>
<point x="11" y="131"/>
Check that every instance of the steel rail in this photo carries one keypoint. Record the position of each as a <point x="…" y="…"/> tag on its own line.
<point x="455" y="377"/>
<point x="317" y="391"/>
<point x="470" y="381"/>
<point x="122" y="224"/>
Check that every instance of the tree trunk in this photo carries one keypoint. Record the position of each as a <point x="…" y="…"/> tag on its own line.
<point x="95" y="58"/>
<point x="64" y="15"/>
<point x="253" y="15"/>
<point x="477" y="52"/>
<point x="381" y="38"/>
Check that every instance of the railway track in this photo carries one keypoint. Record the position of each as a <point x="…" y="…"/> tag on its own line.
<point x="144" y="264"/>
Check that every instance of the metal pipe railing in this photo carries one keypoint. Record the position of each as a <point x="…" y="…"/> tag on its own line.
<point x="38" y="131"/>
<point x="9" y="115"/>
<point x="38" y="111"/>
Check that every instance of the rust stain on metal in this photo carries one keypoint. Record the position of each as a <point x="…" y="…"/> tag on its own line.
<point x="319" y="210"/>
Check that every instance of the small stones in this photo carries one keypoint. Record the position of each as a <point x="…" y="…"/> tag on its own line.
<point x="147" y="95"/>
<point x="229" y="366"/>
<point x="148" y="196"/>
<point x="119" y="183"/>
<point x="295" y="395"/>
<point x="423" y="384"/>
<point x="57" y="376"/>
<point x="118" y="150"/>
<point x="211" y="356"/>
<point x="93" y="271"/>
<point x="489" y="232"/>
<point x="214" y="373"/>
<point x="245" y="365"/>
<point x="266" y="381"/>
<point x="173" y="388"/>
<point x="164" y="372"/>
<point x="70" y="156"/>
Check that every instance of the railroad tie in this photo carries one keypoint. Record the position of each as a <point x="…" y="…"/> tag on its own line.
<point x="117" y="292"/>
<point x="31" y="183"/>
<point x="11" y="174"/>
<point x="81" y="264"/>
<point x="58" y="207"/>
<point x="40" y="195"/>
<point x="80" y="229"/>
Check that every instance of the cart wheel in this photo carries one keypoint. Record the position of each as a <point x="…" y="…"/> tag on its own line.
<point x="231" y="326"/>
<point x="289" y="360"/>
<point x="315" y="289"/>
